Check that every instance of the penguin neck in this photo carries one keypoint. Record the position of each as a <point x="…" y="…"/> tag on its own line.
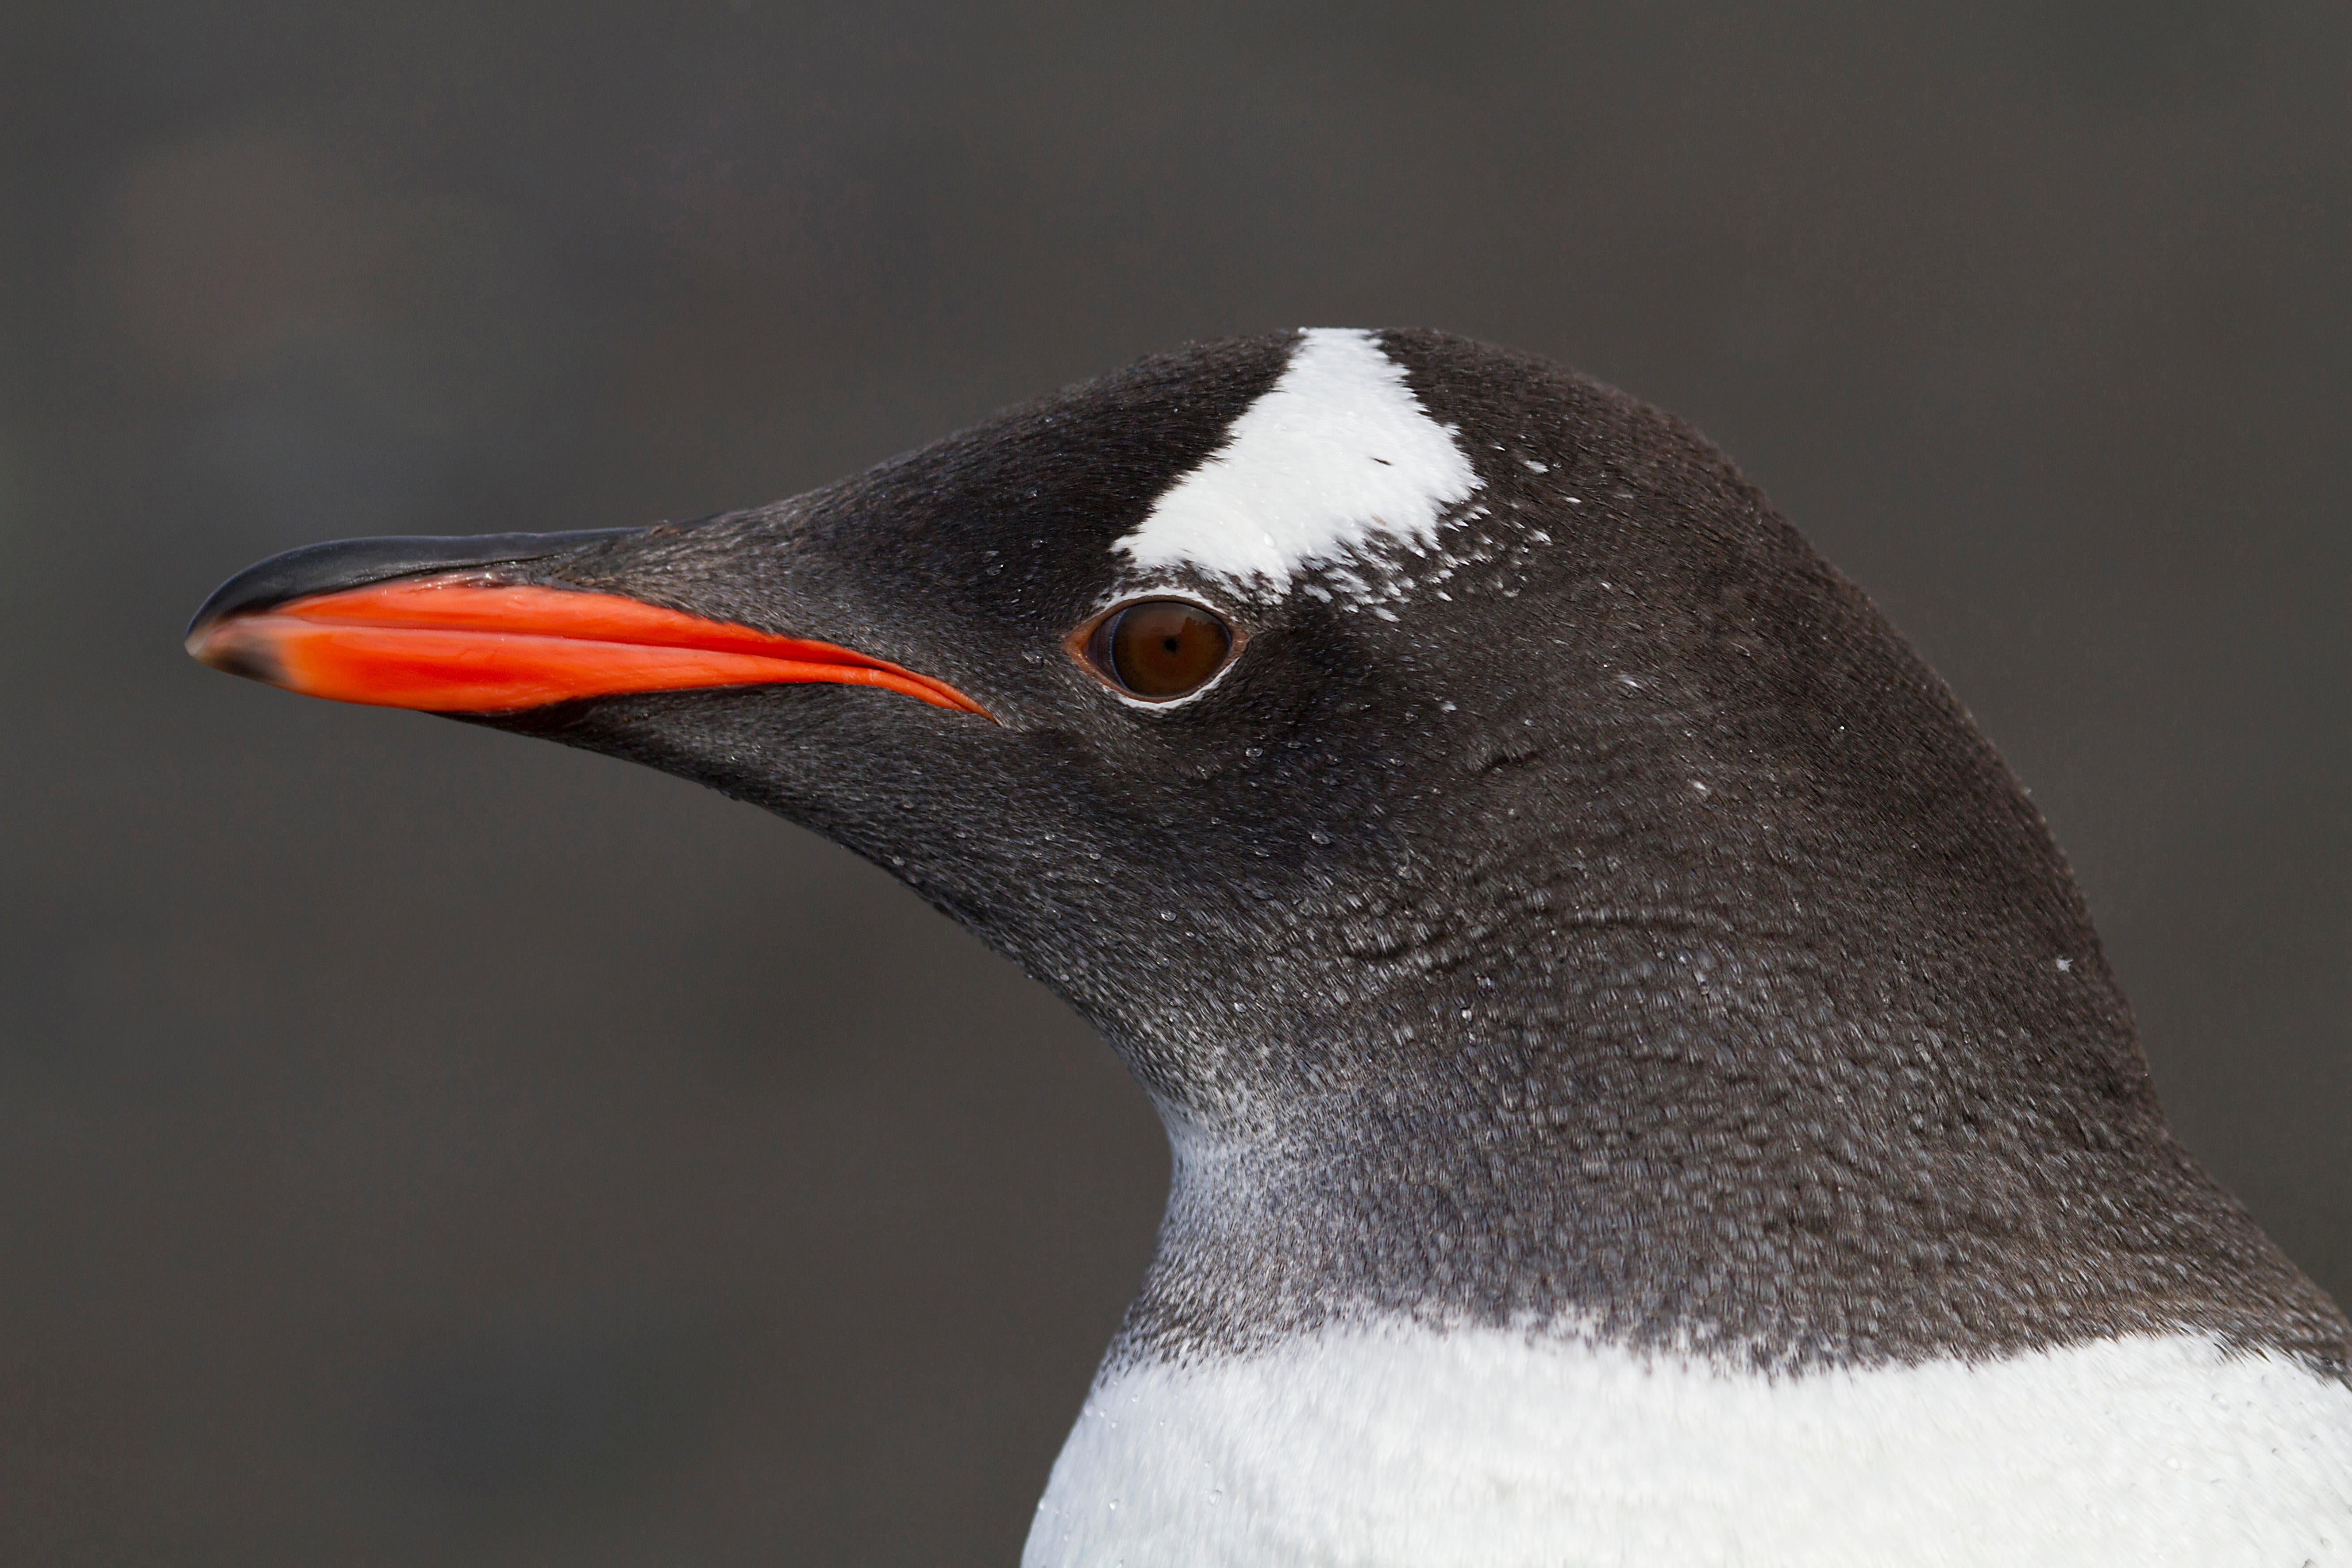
<point x="1769" y="1146"/>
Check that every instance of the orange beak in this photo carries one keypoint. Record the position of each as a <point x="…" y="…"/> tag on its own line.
<point x="461" y="643"/>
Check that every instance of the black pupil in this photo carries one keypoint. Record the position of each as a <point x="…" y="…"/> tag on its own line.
<point x="1165" y="648"/>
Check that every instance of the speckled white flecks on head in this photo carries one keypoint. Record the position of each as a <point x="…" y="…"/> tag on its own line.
<point x="1338" y="456"/>
<point x="1487" y="1449"/>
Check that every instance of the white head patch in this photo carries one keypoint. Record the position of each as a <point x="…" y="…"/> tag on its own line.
<point x="1337" y="459"/>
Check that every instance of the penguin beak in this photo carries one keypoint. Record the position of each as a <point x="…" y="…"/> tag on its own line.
<point x="432" y="624"/>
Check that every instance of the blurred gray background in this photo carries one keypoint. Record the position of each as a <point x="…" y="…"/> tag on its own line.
<point x="422" y="1146"/>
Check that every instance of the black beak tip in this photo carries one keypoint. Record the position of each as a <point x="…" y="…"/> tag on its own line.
<point x="353" y="563"/>
<point x="232" y="655"/>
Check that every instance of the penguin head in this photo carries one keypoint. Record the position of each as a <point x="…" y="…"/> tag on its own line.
<point x="1297" y="707"/>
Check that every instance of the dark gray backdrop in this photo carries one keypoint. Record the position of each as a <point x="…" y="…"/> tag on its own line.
<point x="422" y="1146"/>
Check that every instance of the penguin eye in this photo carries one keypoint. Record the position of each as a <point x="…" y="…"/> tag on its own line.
<point x="1157" y="648"/>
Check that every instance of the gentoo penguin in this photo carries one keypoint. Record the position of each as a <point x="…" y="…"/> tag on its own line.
<point x="1644" y="1086"/>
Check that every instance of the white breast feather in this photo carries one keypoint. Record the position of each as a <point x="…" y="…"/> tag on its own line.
<point x="1492" y="1449"/>
<point x="1337" y="454"/>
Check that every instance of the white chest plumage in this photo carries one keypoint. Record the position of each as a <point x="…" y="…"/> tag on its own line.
<point x="1489" y="1450"/>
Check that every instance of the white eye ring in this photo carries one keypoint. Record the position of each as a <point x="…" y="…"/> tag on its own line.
<point x="1157" y="650"/>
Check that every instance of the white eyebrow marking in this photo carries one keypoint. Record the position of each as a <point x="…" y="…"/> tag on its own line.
<point x="1337" y="455"/>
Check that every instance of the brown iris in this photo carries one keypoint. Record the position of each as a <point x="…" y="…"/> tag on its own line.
<point x="1158" y="648"/>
